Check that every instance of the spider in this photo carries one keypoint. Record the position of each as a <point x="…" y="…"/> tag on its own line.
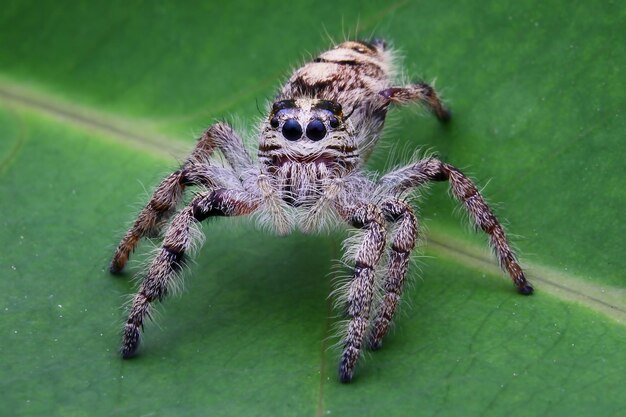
<point x="309" y="174"/>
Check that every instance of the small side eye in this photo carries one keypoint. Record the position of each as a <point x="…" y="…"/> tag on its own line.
<point x="315" y="130"/>
<point x="274" y="122"/>
<point x="333" y="122"/>
<point x="292" y="130"/>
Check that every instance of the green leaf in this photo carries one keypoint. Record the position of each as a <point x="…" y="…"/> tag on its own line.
<point x="99" y="101"/>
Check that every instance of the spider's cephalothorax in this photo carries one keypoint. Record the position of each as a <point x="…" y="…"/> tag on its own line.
<point x="309" y="171"/>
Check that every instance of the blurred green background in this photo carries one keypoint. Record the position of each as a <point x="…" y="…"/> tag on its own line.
<point x="99" y="100"/>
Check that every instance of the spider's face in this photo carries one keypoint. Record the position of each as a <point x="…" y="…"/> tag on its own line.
<point x="307" y="130"/>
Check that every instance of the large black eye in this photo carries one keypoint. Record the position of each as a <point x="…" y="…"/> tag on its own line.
<point x="292" y="130"/>
<point x="315" y="130"/>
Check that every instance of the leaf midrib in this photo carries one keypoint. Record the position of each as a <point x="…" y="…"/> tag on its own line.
<point x="607" y="300"/>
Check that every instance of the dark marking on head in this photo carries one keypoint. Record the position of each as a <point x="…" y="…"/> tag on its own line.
<point x="282" y="105"/>
<point x="329" y="105"/>
<point x="264" y="147"/>
<point x="343" y="149"/>
<point x="350" y="62"/>
<point x="302" y="87"/>
<point x="367" y="45"/>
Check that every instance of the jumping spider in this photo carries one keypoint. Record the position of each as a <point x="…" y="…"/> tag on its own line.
<point x="309" y="170"/>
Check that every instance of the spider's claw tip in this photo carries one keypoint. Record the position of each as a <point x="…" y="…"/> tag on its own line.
<point x="526" y="289"/>
<point x="444" y="116"/>
<point x="345" y="377"/>
<point x="127" y="354"/>
<point x="375" y="344"/>
<point x="115" y="270"/>
<point x="345" y="372"/>
<point x="116" y="267"/>
<point x="130" y="341"/>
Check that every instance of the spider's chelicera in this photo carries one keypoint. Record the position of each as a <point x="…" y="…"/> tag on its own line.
<point x="308" y="174"/>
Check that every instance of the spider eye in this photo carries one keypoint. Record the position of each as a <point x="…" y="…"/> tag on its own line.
<point x="274" y="122"/>
<point x="333" y="122"/>
<point x="292" y="130"/>
<point x="315" y="130"/>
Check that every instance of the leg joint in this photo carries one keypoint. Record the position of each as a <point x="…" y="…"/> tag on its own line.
<point x="394" y="210"/>
<point x="365" y="215"/>
<point x="213" y="205"/>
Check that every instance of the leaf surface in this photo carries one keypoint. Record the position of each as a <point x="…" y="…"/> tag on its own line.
<point x="98" y="102"/>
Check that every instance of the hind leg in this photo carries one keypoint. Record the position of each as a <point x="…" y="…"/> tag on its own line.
<point x="420" y="93"/>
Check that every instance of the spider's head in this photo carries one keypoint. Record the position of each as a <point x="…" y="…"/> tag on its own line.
<point x="307" y="130"/>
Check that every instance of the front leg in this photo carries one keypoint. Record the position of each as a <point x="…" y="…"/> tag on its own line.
<point x="179" y="238"/>
<point x="464" y="190"/>
<point x="405" y="234"/>
<point x="361" y="289"/>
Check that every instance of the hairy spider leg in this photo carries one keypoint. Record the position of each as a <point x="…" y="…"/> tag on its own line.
<point x="361" y="288"/>
<point x="432" y="169"/>
<point x="422" y="93"/>
<point x="179" y="238"/>
<point x="296" y="183"/>
<point x="403" y="241"/>
<point x="169" y="193"/>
